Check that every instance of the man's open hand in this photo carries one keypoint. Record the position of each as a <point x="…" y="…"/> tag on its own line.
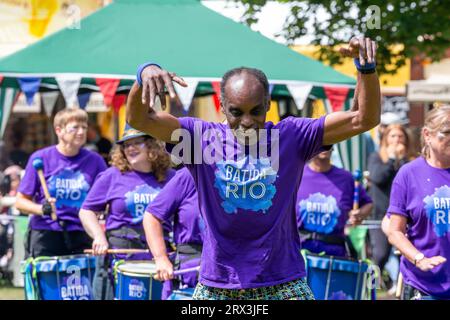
<point x="154" y="80"/>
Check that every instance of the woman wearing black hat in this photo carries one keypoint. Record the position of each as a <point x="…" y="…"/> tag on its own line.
<point x="140" y="167"/>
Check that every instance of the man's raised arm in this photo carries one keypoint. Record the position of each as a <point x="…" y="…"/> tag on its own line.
<point x="141" y="100"/>
<point x="365" y="113"/>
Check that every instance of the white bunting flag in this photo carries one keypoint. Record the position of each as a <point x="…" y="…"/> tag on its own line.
<point x="69" y="88"/>
<point x="300" y="93"/>
<point x="186" y="94"/>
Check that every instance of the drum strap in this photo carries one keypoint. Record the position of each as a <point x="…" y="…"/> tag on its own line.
<point x="185" y="252"/>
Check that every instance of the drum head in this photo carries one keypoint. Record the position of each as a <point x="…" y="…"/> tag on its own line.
<point x="138" y="267"/>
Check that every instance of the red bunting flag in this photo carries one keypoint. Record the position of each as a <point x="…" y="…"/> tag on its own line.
<point x="1" y="79"/>
<point x="216" y="96"/>
<point x="108" y="87"/>
<point x="118" y="101"/>
<point x="336" y="96"/>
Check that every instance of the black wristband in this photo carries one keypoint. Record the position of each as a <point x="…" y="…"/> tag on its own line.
<point x="47" y="209"/>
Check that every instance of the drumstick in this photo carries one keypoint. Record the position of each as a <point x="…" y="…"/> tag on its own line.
<point x="38" y="165"/>
<point x="118" y="251"/>
<point x="357" y="175"/>
<point x="183" y="271"/>
<point x="399" y="289"/>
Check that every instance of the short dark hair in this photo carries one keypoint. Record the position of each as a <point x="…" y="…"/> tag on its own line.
<point x="258" y="74"/>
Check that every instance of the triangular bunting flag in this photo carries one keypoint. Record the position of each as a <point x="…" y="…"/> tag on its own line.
<point x="49" y="100"/>
<point x="118" y="101"/>
<point x="29" y="87"/>
<point x="69" y="88"/>
<point x="83" y="99"/>
<point x="216" y="97"/>
<point x="108" y="88"/>
<point x="186" y="94"/>
<point x="336" y="96"/>
<point x="1" y="79"/>
<point x="300" y="93"/>
<point x="8" y="97"/>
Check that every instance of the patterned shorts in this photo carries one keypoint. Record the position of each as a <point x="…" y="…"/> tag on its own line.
<point x="292" y="290"/>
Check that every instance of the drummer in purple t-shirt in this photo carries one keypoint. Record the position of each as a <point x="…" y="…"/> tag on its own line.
<point x="140" y="167"/>
<point x="247" y="173"/>
<point x="419" y="212"/>
<point x="177" y="202"/>
<point x="70" y="171"/>
<point x="325" y="205"/>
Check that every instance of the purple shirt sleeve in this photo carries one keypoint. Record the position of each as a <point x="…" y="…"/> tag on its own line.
<point x="397" y="202"/>
<point x="97" y="197"/>
<point x="166" y="203"/>
<point x="307" y="133"/>
<point x="30" y="184"/>
<point x="364" y="198"/>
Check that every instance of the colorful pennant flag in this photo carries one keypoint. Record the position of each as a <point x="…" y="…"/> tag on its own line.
<point x="83" y="99"/>
<point x="299" y="93"/>
<point x="216" y="97"/>
<point x="29" y="87"/>
<point x="69" y="84"/>
<point x="49" y="100"/>
<point x="186" y="94"/>
<point x="118" y="101"/>
<point x="108" y="88"/>
<point x="8" y="97"/>
<point x="1" y="79"/>
<point x="336" y="96"/>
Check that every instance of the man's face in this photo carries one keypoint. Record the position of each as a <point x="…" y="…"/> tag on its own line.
<point x="245" y="104"/>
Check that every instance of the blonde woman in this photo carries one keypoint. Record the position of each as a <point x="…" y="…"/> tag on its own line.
<point x="70" y="171"/>
<point x="419" y="211"/>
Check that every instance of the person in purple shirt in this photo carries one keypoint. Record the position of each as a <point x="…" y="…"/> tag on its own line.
<point x="247" y="173"/>
<point x="419" y="213"/>
<point x="69" y="171"/>
<point x="177" y="201"/>
<point x="140" y="167"/>
<point x="325" y="206"/>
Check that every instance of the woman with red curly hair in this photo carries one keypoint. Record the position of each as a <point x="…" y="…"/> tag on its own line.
<point x="140" y="167"/>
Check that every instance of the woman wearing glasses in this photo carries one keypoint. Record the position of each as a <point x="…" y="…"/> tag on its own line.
<point x="419" y="212"/>
<point x="69" y="171"/>
<point x="140" y="167"/>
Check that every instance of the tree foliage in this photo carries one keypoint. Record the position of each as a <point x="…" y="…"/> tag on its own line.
<point x="422" y="27"/>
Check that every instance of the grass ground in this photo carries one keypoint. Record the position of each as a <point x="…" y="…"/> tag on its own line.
<point x="11" y="293"/>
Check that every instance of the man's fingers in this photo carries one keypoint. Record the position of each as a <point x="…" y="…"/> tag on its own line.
<point x="152" y="92"/>
<point x="374" y="51"/>
<point x="144" y="91"/>
<point x="160" y="87"/>
<point x="362" y="51"/>
<point x="369" y="52"/>
<point x="168" y="82"/>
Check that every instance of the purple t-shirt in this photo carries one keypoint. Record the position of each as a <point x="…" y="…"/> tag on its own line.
<point x="127" y="193"/>
<point x="324" y="200"/>
<point x="69" y="180"/>
<point x="421" y="193"/>
<point x="248" y="200"/>
<point x="178" y="201"/>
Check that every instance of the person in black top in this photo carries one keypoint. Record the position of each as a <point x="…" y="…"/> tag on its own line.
<point x="395" y="151"/>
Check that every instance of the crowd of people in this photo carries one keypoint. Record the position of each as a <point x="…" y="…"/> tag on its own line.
<point x="248" y="195"/>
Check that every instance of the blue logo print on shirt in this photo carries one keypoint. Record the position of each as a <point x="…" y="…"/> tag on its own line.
<point x="69" y="188"/>
<point x="319" y="213"/>
<point x="246" y="184"/>
<point x="137" y="201"/>
<point x="437" y="208"/>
